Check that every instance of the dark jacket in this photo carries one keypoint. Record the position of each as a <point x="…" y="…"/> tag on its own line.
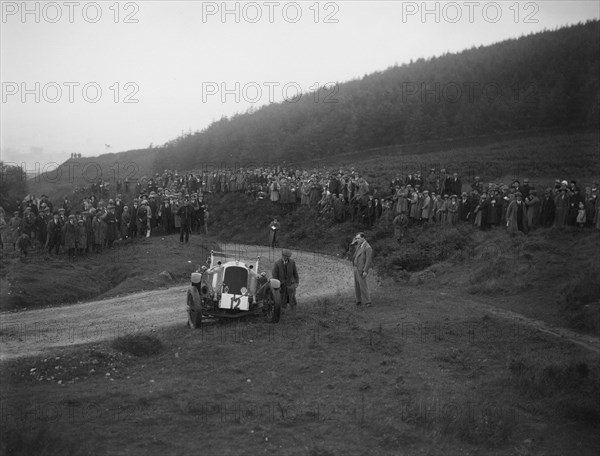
<point x="286" y="274"/>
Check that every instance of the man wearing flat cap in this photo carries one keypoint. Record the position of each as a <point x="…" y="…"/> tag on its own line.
<point x="286" y="272"/>
<point x="362" y="262"/>
<point x="185" y="213"/>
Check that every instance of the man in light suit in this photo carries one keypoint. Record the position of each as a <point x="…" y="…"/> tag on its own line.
<point x="286" y="272"/>
<point x="362" y="263"/>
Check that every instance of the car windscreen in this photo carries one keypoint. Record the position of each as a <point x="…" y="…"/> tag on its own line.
<point x="235" y="278"/>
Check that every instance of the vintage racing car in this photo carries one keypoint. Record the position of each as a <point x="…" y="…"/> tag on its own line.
<point x="232" y="289"/>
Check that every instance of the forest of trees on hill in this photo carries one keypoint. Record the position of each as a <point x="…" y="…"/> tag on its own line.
<point x="545" y="80"/>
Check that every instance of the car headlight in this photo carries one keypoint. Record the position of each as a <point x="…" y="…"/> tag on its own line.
<point x="244" y="290"/>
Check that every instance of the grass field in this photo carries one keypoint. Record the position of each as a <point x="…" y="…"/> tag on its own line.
<point x="427" y="370"/>
<point x="420" y="373"/>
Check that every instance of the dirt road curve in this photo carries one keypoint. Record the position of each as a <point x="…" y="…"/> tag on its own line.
<point x="40" y="331"/>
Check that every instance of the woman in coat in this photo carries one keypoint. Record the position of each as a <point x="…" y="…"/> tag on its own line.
<point x="516" y="215"/>
<point x="548" y="209"/>
<point x="426" y="206"/>
<point x="561" y="204"/>
<point x="70" y="236"/>
<point x="453" y="211"/>
<point x="125" y="221"/>
<point x="414" y="206"/>
<point x="99" y="228"/>
<point x="533" y="210"/>
<point x="274" y="191"/>
<point x="81" y="236"/>
<point x="111" y="226"/>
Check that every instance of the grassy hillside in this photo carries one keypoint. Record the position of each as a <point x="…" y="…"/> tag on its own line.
<point x="550" y="272"/>
<point x="329" y="380"/>
<point x="546" y="80"/>
<point x="76" y="173"/>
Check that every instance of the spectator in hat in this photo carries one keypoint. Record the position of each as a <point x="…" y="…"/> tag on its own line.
<point x="574" y="200"/>
<point x="54" y="234"/>
<point x="125" y="221"/>
<point x="581" y="217"/>
<point x="66" y="206"/>
<point x="81" y="235"/>
<point x="133" y="223"/>
<point x="453" y="210"/>
<point x="142" y="218"/>
<point x="362" y="262"/>
<point x="112" y="228"/>
<point x="464" y="207"/>
<point x="533" y="210"/>
<point x="44" y="199"/>
<point x="481" y="212"/>
<point x="516" y="215"/>
<point x="119" y="206"/>
<point x="99" y="229"/>
<point x="561" y="203"/>
<point x="426" y="206"/>
<point x="274" y="227"/>
<point x="69" y="236"/>
<point x="455" y="187"/>
<point x="443" y="210"/>
<point x="185" y="213"/>
<point x="286" y="272"/>
<point x="547" y="209"/>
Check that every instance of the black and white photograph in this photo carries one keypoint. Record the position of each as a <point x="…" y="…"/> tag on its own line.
<point x="300" y="228"/>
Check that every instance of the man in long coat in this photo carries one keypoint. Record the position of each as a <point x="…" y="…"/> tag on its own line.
<point x="185" y="213"/>
<point x="516" y="215"/>
<point x="362" y="262"/>
<point x="53" y="234"/>
<point x="286" y="272"/>
<point x="548" y="209"/>
<point x="70" y="236"/>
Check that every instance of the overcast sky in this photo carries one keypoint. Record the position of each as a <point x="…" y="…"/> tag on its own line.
<point x="78" y="77"/>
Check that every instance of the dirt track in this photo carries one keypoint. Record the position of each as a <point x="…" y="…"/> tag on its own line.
<point x="40" y="331"/>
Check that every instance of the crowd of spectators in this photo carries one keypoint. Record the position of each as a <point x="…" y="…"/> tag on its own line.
<point x="443" y="199"/>
<point x="175" y="202"/>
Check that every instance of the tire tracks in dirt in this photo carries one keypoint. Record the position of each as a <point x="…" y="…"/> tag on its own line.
<point x="41" y="331"/>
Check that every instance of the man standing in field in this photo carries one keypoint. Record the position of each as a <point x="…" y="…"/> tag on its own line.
<point x="185" y="212"/>
<point x="274" y="227"/>
<point x="362" y="263"/>
<point x="286" y="272"/>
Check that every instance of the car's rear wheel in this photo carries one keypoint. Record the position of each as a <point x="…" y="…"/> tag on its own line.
<point x="272" y="305"/>
<point x="194" y="309"/>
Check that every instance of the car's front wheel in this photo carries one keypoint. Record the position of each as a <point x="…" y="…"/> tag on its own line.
<point x="194" y="308"/>
<point x="272" y="305"/>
